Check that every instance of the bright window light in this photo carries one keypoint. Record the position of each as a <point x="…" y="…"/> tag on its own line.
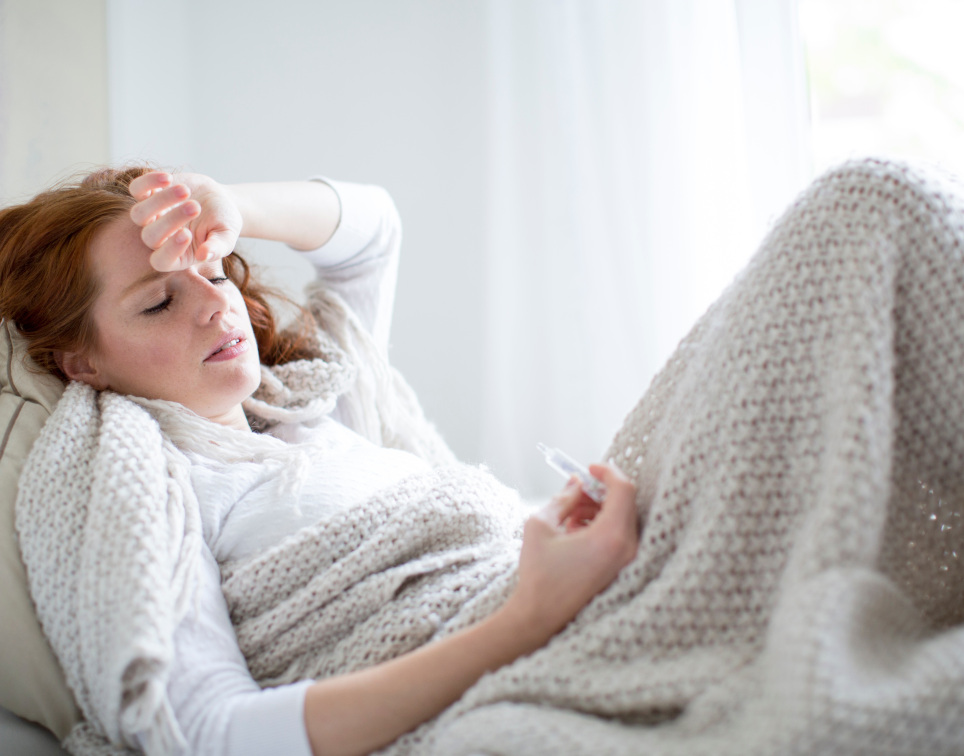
<point x="886" y="77"/>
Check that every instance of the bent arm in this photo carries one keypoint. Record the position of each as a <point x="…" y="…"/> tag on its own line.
<point x="350" y="232"/>
<point x="195" y="218"/>
<point x="562" y="566"/>
<point x="302" y="214"/>
<point x="571" y="551"/>
<point x="358" y="258"/>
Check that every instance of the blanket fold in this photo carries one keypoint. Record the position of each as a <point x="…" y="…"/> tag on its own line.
<point x="799" y="586"/>
<point x="129" y="509"/>
<point x="377" y="580"/>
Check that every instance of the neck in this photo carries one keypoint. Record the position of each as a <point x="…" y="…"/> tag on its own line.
<point x="233" y="418"/>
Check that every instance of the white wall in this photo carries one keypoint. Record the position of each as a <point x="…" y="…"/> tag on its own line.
<point x="53" y="92"/>
<point x="375" y="91"/>
<point x="394" y="92"/>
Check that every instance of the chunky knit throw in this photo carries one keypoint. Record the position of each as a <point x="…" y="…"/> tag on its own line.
<point x="798" y="587"/>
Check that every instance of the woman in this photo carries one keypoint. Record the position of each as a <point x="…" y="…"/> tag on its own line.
<point x="797" y="588"/>
<point x="156" y="305"/>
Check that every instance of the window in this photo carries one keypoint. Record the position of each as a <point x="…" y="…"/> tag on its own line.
<point x="886" y="77"/>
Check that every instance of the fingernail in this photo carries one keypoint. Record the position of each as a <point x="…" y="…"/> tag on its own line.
<point x="182" y="236"/>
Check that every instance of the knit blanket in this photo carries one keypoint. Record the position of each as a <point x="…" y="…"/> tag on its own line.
<point x="798" y="585"/>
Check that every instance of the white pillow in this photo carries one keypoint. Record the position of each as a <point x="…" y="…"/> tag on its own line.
<point x="32" y="683"/>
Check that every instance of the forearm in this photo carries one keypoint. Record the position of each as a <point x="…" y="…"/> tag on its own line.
<point x="302" y="214"/>
<point x="363" y="711"/>
<point x="560" y="570"/>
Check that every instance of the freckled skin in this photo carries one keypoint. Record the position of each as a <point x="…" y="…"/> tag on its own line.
<point x="161" y="354"/>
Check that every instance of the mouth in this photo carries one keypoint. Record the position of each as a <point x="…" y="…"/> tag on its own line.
<point x="229" y="346"/>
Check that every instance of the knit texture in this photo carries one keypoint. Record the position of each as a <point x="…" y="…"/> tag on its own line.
<point x="376" y="401"/>
<point x="798" y="586"/>
<point x="110" y="535"/>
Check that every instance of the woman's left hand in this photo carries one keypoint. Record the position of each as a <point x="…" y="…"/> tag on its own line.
<point x="572" y="549"/>
<point x="185" y="218"/>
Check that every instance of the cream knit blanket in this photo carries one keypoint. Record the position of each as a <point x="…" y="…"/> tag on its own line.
<point x="798" y="587"/>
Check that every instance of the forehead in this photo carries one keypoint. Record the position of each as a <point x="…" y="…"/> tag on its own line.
<point x="118" y="256"/>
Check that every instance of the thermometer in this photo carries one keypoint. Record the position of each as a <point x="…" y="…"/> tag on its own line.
<point x="567" y="466"/>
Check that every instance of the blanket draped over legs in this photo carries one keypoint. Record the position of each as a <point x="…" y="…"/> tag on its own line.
<point x="799" y="583"/>
<point x="798" y="587"/>
<point x="800" y="459"/>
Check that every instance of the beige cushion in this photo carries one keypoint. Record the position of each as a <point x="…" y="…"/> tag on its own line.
<point x="32" y="684"/>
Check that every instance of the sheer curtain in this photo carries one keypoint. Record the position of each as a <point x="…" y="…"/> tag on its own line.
<point x="638" y="149"/>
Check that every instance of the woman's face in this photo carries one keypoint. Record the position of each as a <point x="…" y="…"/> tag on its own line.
<point x="184" y="336"/>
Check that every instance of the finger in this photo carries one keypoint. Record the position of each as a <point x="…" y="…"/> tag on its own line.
<point x="155" y="234"/>
<point x="610" y="475"/>
<point x="218" y="244"/>
<point x="537" y="529"/>
<point x="584" y="505"/>
<point x="585" y="508"/>
<point x="560" y="505"/>
<point x="157" y="204"/>
<point x="146" y="184"/>
<point x="607" y="472"/>
<point x="175" y="253"/>
<point x="582" y="515"/>
<point x="620" y="502"/>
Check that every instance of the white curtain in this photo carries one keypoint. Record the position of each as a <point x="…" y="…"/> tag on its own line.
<point x="638" y="149"/>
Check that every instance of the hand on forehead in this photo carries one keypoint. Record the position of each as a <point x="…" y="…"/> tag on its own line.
<point x="184" y="218"/>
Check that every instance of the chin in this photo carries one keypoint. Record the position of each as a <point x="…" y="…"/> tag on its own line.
<point x="229" y="396"/>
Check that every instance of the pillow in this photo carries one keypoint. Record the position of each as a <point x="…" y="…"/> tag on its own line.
<point x="32" y="684"/>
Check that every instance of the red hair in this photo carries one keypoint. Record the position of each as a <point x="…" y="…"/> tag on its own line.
<point x="47" y="287"/>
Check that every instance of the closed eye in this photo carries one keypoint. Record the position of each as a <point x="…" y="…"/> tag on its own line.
<point x="159" y="307"/>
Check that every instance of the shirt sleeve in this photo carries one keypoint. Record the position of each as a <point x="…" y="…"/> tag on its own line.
<point x="219" y="707"/>
<point x="360" y="260"/>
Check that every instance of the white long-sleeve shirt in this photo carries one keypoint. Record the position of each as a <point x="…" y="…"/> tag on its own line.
<point x="219" y="707"/>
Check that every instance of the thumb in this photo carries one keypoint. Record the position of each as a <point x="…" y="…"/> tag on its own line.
<point x="620" y="503"/>
<point x="217" y="244"/>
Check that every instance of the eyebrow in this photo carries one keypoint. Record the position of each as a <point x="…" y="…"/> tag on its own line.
<point x="147" y="278"/>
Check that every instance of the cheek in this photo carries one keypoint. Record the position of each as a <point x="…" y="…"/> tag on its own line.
<point x="127" y="354"/>
<point x="239" y="307"/>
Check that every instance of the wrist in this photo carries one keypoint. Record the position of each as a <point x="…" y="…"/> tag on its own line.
<point x="247" y="209"/>
<point x="523" y="621"/>
<point x="301" y="214"/>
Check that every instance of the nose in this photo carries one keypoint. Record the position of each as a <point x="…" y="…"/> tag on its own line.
<point x="212" y="298"/>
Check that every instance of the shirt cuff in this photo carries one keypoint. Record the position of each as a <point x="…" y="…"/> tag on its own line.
<point x="363" y="207"/>
<point x="270" y="721"/>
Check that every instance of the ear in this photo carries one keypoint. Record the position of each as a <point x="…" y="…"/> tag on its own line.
<point x="77" y="367"/>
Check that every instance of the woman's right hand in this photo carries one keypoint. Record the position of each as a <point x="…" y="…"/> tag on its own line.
<point x="185" y="218"/>
<point x="572" y="549"/>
